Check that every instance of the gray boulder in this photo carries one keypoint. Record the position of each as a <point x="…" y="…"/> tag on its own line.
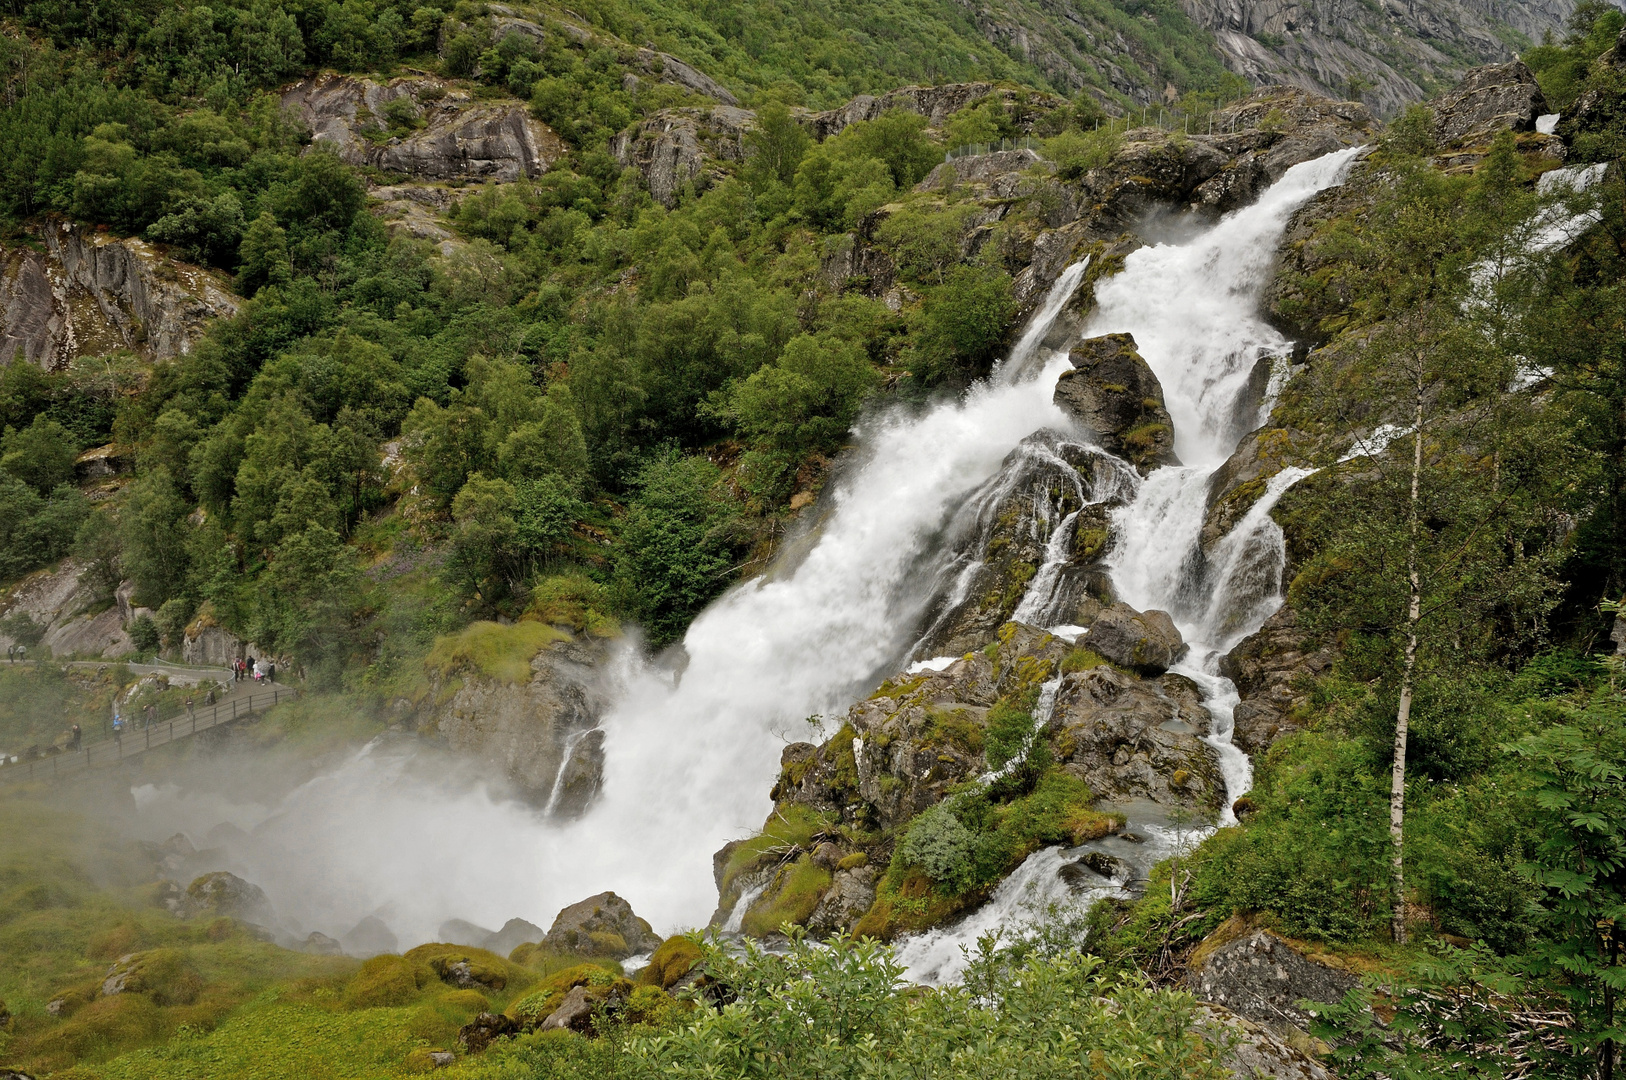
<point x="1498" y="97"/>
<point x="514" y="933"/>
<point x="370" y="937"/>
<point x="486" y="1029"/>
<point x="575" y="1013"/>
<point x="1262" y="977"/>
<point x="1112" y="392"/>
<point x="601" y="925"/>
<point x="320" y="944"/>
<point x="463" y="932"/>
<point x="1133" y="738"/>
<point x="1145" y="641"/>
<point x="1257" y="1053"/>
<point x="225" y="894"/>
<point x="851" y="894"/>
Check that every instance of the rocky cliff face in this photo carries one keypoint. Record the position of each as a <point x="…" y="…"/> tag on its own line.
<point x="1388" y="55"/>
<point x="540" y="734"/>
<point x="453" y="138"/>
<point x="81" y="292"/>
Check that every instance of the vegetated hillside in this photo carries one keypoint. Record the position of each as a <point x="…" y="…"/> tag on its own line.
<point x="542" y="328"/>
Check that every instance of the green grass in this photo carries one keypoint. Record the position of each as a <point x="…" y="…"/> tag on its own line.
<point x="273" y="1041"/>
<point x="503" y="653"/>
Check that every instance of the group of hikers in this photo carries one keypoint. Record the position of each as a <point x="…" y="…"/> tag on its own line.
<point x="14" y="653"/>
<point x="250" y="668"/>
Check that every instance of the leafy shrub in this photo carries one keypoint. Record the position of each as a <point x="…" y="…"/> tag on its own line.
<point x="1076" y="153"/>
<point x="941" y="845"/>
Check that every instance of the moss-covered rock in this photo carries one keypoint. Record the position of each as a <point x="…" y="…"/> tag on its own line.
<point x="1113" y="394"/>
<point x="671" y="963"/>
<point x="601" y="925"/>
<point x="386" y="981"/>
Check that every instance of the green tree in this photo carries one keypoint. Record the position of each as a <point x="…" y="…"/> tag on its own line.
<point x="40" y="455"/>
<point x="676" y="547"/>
<point x="262" y="256"/>
<point x="806" y="400"/>
<point x="777" y="145"/>
<point x="962" y="324"/>
<point x="153" y="533"/>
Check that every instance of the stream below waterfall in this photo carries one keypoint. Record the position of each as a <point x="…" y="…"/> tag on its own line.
<point x="692" y="750"/>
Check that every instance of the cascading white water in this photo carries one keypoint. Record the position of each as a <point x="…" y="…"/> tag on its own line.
<point x="1193" y="309"/>
<point x="690" y="758"/>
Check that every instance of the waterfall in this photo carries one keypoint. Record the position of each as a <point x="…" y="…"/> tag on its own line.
<point x="692" y="749"/>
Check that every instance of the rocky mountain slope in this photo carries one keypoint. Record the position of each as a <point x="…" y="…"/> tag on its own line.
<point x="1386" y="55"/>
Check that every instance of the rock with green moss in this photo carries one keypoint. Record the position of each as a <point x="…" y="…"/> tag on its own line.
<point x="1129" y="737"/>
<point x="222" y="894"/>
<point x="601" y="925"/>
<point x="1144" y="641"/>
<point x="1114" y="395"/>
<point x="1274" y="670"/>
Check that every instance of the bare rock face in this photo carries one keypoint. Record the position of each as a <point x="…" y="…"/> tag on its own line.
<point x="208" y="644"/>
<point x="935" y="103"/>
<point x="58" y="601"/>
<point x="679" y="147"/>
<point x="851" y="893"/>
<point x="1238" y="484"/>
<point x="1499" y="97"/>
<point x="1112" y="392"/>
<point x="1263" y="978"/>
<point x="1271" y="668"/>
<point x="1256" y="1052"/>
<point x="458" y="140"/>
<point x="1129" y="737"/>
<point x="602" y="925"/>
<point x="536" y="733"/>
<point x="1385" y="54"/>
<point x="90" y="293"/>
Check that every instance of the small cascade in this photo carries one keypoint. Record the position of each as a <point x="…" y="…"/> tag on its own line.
<point x="1047" y="598"/>
<point x="1020" y="365"/>
<point x="571" y="742"/>
<point x="736" y="917"/>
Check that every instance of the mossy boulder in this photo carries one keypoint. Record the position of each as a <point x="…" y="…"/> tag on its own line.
<point x="221" y="894"/>
<point x="550" y="992"/>
<point x="471" y="969"/>
<point x="671" y="963"/>
<point x="164" y="975"/>
<point x="386" y="981"/>
<point x="601" y="925"/>
<point x="1114" y="395"/>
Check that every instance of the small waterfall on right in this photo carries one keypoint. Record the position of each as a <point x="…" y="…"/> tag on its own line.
<point x="1193" y="309"/>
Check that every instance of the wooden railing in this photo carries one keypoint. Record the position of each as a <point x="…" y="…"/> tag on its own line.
<point x="183" y="724"/>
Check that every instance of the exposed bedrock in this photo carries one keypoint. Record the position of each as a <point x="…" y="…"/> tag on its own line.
<point x="453" y="137"/>
<point x="920" y="737"/>
<point x="541" y="733"/>
<point x="89" y="293"/>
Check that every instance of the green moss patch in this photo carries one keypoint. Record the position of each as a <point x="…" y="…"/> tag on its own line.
<point x="675" y="958"/>
<point x="498" y="652"/>
<point x="795" y="891"/>
<point x="788" y="826"/>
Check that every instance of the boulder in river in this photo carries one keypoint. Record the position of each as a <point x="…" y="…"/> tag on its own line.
<point x="1145" y="641"/>
<point x="1114" y="394"/>
<point x="601" y="925"/>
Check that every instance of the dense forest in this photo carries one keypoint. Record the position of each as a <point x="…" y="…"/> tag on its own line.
<point x="595" y="409"/>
